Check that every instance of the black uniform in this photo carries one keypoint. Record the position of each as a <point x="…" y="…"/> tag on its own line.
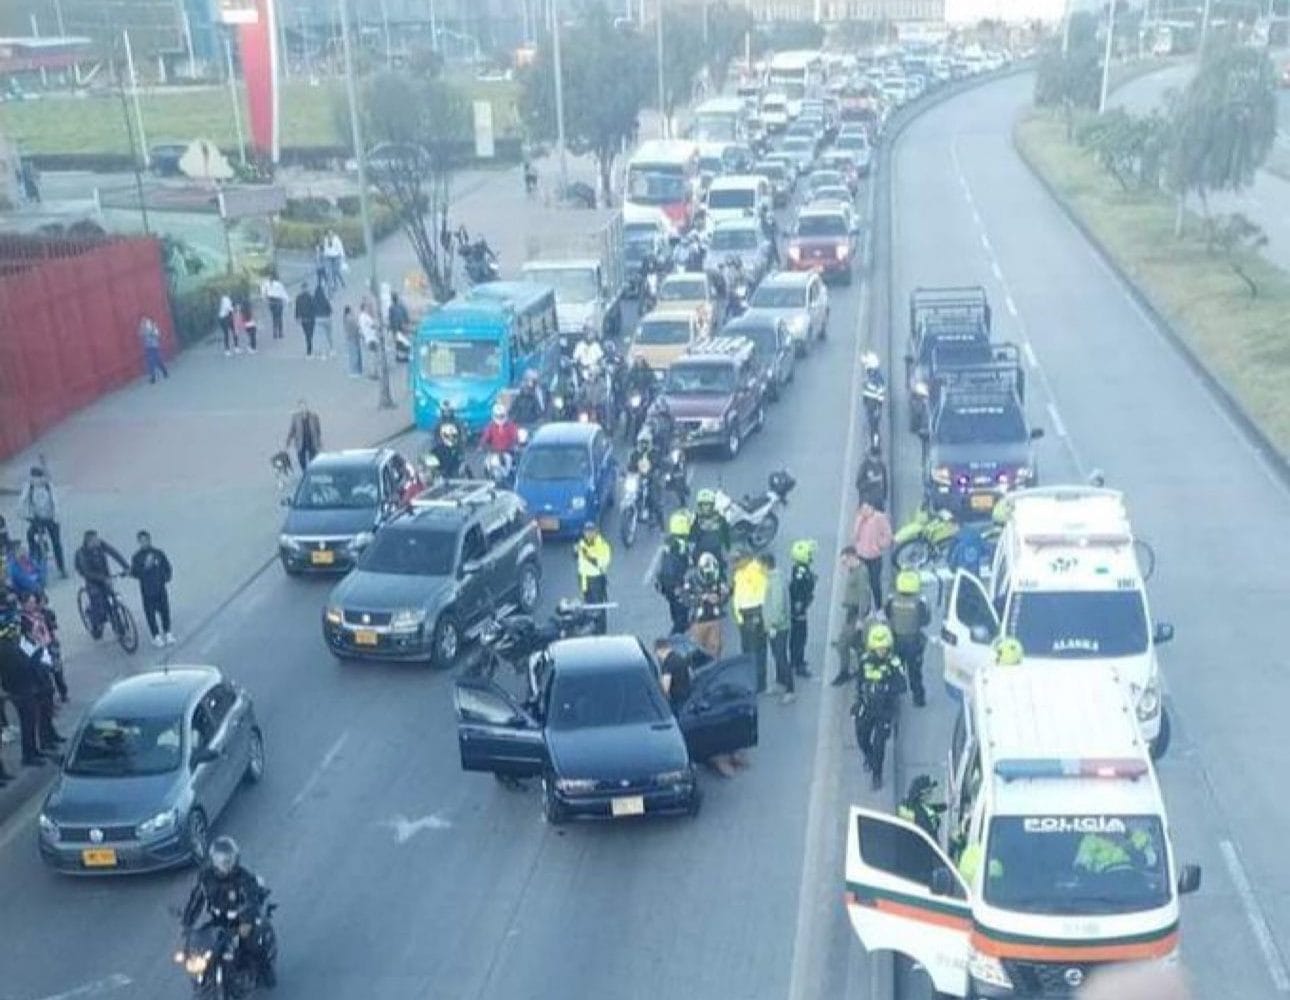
<point x="674" y="563"/>
<point x="871" y="483"/>
<point x="152" y="569"/>
<point x="92" y="564"/>
<point x="451" y="457"/>
<point x="801" y="592"/>
<point x="710" y="533"/>
<point x="880" y="685"/>
<point x="22" y="684"/>
<point x="236" y="898"/>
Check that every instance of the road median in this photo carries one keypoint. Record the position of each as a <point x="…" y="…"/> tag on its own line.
<point x="1233" y="339"/>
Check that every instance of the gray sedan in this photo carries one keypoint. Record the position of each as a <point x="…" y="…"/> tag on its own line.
<point x="151" y="767"/>
<point x="800" y="299"/>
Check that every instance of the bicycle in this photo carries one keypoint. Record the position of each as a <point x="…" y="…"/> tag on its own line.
<point x="119" y="617"/>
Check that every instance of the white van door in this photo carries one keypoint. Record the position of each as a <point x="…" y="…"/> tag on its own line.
<point x="969" y="627"/>
<point x="891" y="866"/>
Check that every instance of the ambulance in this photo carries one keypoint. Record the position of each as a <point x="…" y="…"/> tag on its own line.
<point x="1056" y="857"/>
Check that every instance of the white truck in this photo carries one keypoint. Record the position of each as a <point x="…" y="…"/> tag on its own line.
<point x="586" y="272"/>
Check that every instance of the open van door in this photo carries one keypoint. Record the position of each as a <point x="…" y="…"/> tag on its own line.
<point x="969" y="628"/>
<point x="892" y="867"/>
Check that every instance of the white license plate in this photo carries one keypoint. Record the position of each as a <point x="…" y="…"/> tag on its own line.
<point x="982" y="501"/>
<point x="628" y="805"/>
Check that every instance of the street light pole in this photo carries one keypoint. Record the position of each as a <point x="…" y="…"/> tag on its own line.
<point x="662" y="107"/>
<point x="1106" y="58"/>
<point x="360" y="157"/>
<point x="1204" y="30"/>
<point x="134" y="152"/>
<point x="558" y="69"/>
<point x="233" y="95"/>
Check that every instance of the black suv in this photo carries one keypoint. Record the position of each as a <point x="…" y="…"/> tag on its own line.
<point x="433" y="573"/>
<point x="715" y="394"/>
<point x="343" y="497"/>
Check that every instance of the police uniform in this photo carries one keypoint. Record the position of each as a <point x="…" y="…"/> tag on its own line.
<point x="908" y="615"/>
<point x="881" y="681"/>
<point x="593" y="555"/>
<point x="801" y="592"/>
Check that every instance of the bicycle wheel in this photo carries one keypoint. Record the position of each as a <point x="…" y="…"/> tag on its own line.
<point x="123" y="625"/>
<point x="1146" y="558"/>
<point x="83" y="606"/>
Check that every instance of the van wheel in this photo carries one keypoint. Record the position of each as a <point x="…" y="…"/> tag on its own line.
<point x="552" y="811"/>
<point x="733" y="441"/>
<point x="1160" y="745"/>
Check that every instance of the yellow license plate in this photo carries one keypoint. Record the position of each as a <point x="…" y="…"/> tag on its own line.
<point x="325" y="557"/>
<point x="982" y="501"/>
<point x="365" y="637"/>
<point x="630" y="805"/>
<point x="549" y="523"/>
<point x="98" y="857"/>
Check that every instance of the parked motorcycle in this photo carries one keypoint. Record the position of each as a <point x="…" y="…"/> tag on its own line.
<point x="753" y="521"/>
<point x="511" y="640"/>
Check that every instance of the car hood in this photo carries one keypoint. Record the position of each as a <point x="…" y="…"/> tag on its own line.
<point x="93" y="801"/>
<point x="550" y="496"/>
<point x="615" y="753"/>
<point x="693" y="405"/>
<point x="990" y="456"/>
<point x="389" y="591"/>
<point x="303" y="522"/>
<point x="659" y="356"/>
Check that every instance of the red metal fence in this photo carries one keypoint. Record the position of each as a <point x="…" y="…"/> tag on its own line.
<point x="69" y="318"/>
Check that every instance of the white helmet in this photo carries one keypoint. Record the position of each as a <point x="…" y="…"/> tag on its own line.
<point x="869" y="360"/>
<point x="499" y="412"/>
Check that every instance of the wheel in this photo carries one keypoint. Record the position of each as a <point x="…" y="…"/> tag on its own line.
<point x="762" y="535"/>
<point x="913" y="554"/>
<point x="733" y="441"/>
<point x="83" y="606"/>
<point x="696" y="802"/>
<point x="123" y="625"/>
<point x="198" y="836"/>
<point x="759" y="418"/>
<point x="529" y="588"/>
<point x="552" y="811"/>
<point x="1160" y="745"/>
<point x="446" y="642"/>
<point x="629" y="522"/>
<point x="824" y="327"/>
<point x="799" y="348"/>
<point x="255" y="765"/>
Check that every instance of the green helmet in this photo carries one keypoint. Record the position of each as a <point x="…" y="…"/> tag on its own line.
<point x="706" y="498"/>
<point x="678" y="525"/>
<point x="879" y="639"/>
<point x="803" y="550"/>
<point x="1008" y="652"/>
<point x="908" y="582"/>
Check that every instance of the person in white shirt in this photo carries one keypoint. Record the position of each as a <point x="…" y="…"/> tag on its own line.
<point x="588" y="354"/>
<point x="334" y="256"/>
<point x="368" y="329"/>
<point x="226" y="324"/>
<point x="274" y="292"/>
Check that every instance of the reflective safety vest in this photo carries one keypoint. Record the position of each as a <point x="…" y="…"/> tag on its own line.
<point x="593" y="558"/>
<point x="905" y="615"/>
<point x="750" y="587"/>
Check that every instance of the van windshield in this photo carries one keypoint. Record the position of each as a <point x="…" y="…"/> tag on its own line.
<point x="571" y="284"/>
<point x="1079" y="624"/>
<point x="1076" y="864"/>
<point x="732" y="198"/>
<point x="461" y="359"/>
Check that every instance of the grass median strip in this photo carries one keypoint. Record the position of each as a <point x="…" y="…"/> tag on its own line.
<point x="1242" y="340"/>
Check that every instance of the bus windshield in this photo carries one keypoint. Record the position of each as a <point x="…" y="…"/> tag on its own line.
<point x="656" y="186"/>
<point x="480" y="359"/>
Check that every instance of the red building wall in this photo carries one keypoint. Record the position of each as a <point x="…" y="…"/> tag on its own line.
<point x="69" y="317"/>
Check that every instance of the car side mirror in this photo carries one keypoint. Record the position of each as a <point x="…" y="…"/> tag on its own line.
<point x="942" y="882"/>
<point x="1188" y="879"/>
<point x="1164" y="633"/>
<point x="204" y="755"/>
<point x="1036" y="433"/>
<point x="981" y="635"/>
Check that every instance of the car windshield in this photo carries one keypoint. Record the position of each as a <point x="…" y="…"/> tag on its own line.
<point x="798" y="144"/>
<point x="769" y="296"/>
<point x="411" y="551"/>
<point x="822" y="225"/>
<point x="663" y="331"/>
<point x="701" y="379"/>
<point x="126" y="747"/>
<point x="338" y="489"/>
<point x="571" y="284"/>
<point x="852" y="142"/>
<point x="683" y="289"/>
<point x="646" y="187"/>
<point x="734" y="239"/>
<point x="1086" y="865"/>
<point x="1079" y="624"/>
<point x="985" y="424"/>
<point x="461" y="359"/>
<point x="773" y="170"/>
<point x="590" y="699"/>
<point x="548" y="463"/>
<point x="830" y="193"/>
<point x="739" y="198"/>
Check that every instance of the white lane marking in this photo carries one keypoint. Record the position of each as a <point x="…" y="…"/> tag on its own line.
<point x="1029" y="353"/>
<point x="814" y="920"/>
<point x="998" y="271"/>
<point x="405" y="829"/>
<point x="1059" y="428"/>
<point x="328" y="758"/>
<point x="1254" y="915"/>
<point x="985" y="242"/>
<point x="98" y="987"/>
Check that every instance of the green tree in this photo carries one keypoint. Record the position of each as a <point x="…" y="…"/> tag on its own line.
<point x="1237" y="239"/>
<point x="606" y="80"/>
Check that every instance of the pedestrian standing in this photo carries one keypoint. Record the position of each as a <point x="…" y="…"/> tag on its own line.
<point x="353" y="342"/>
<point x="748" y="606"/>
<point x="304" y="434"/>
<point x="249" y="326"/>
<point x="275" y="295"/>
<point x="857" y="603"/>
<point x="707" y="592"/>
<point x="150" y="337"/>
<point x="777" y="626"/>
<point x="673" y="564"/>
<point x="228" y="325"/>
<point x="871" y="536"/>
<point x="397" y="317"/>
<point x="801" y="594"/>
<point x="334" y="257"/>
<point x="369" y="331"/>
<point x="150" y="566"/>
<point x="593" y="555"/>
<point x="35" y="645"/>
<point x="306" y="316"/>
<point x="39" y="505"/>
<point x="322" y="317"/>
<point x="18" y="679"/>
<point x="871" y="479"/>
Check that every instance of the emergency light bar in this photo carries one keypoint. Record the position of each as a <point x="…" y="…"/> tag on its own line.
<point x="1071" y="767"/>
<point x="1075" y="539"/>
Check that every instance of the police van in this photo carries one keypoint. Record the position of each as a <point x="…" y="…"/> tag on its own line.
<point x="1056" y="856"/>
<point x="1066" y="581"/>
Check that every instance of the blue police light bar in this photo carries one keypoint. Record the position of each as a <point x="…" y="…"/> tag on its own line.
<point x="1071" y="767"/>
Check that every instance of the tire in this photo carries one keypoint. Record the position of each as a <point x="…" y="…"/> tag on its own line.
<point x="552" y="811"/>
<point x="696" y="803"/>
<point x="529" y="589"/>
<point x="733" y="441"/>
<point x="83" y="606"/>
<point x="913" y="554"/>
<point x="123" y="625"/>
<point x="799" y="348"/>
<point x="1160" y="745"/>
<point x="759" y="418"/>
<point x="199" y="836"/>
<point x="445" y="644"/>
<point x="255" y="766"/>
<point x="762" y="535"/>
<point x="824" y="328"/>
<point x="628" y="523"/>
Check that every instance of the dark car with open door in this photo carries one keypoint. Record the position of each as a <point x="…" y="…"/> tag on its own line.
<point x="598" y="730"/>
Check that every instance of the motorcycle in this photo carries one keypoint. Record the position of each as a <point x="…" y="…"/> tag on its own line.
<point x="635" y="504"/>
<point x="499" y="468"/>
<point x="635" y="407"/>
<point x="752" y="520"/>
<point x="736" y="281"/>
<point x="513" y="640"/>
<point x="478" y="258"/>
<point x="216" y="962"/>
<point x="925" y="540"/>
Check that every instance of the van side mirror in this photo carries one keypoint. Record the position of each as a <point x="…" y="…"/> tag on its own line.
<point x="1164" y="633"/>
<point x="1188" y="879"/>
<point x="1036" y="433"/>
<point x="981" y="635"/>
<point x="942" y="883"/>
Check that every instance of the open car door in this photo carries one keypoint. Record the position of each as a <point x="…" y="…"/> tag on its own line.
<point x="969" y="627"/>
<point x="495" y="733"/>
<point x="891" y="868"/>
<point x="720" y="715"/>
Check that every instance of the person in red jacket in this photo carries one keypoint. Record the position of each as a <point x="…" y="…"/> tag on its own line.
<point x="502" y="435"/>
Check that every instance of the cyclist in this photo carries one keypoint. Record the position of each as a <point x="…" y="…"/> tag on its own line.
<point x="92" y="563"/>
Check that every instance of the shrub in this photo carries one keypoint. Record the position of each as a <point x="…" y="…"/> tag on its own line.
<point x="195" y="312"/>
<point x="293" y="234"/>
<point x="308" y="210"/>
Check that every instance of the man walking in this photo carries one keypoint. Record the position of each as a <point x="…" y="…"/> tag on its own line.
<point x="801" y="594"/>
<point x="353" y="342"/>
<point x="368" y="330"/>
<point x="19" y="680"/>
<point x="39" y="505"/>
<point x="306" y="316"/>
<point x="333" y="251"/>
<point x="593" y="555"/>
<point x="777" y="626"/>
<point x="152" y="569"/>
<point x="749" y="601"/>
<point x="857" y="603"/>
<point x="150" y="337"/>
<point x="275" y="294"/>
<point x="304" y="434"/>
<point x="871" y="536"/>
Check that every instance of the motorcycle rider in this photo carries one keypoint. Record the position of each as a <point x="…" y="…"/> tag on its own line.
<point x="230" y="894"/>
<point x="909" y="616"/>
<point x="710" y="531"/>
<point x="801" y="592"/>
<point x="529" y="403"/>
<point x="881" y="682"/>
<point x="917" y="806"/>
<point x="449" y="439"/>
<point x="871" y="479"/>
<point x="647" y="463"/>
<point x="640" y="381"/>
<point x="588" y="355"/>
<point x="1008" y="652"/>
<point x="706" y="591"/>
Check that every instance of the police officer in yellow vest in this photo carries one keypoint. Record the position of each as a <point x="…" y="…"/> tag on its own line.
<point x="917" y="806"/>
<point x="748" y="600"/>
<point x="908" y="615"/>
<point x="881" y="683"/>
<point x="593" y="554"/>
<point x="1099" y="853"/>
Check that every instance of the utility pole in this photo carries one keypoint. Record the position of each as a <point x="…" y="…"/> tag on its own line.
<point x="134" y="151"/>
<point x="360" y="156"/>
<point x="234" y="97"/>
<point x="558" y="69"/>
<point x="1106" y="57"/>
<point x="662" y="107"/>
<point x="1204" y="30"/>
<point x="134" y="92"/>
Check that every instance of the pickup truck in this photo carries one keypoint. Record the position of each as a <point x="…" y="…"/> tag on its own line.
<point x="588" y="281"/>
<point x="937" y="317"/>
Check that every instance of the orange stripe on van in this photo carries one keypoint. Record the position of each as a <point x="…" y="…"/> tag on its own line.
<point x="1129" y="951"/>
<point x="921" y="914"/>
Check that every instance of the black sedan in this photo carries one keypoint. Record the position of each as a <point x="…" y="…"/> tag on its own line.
<point x="601" y="734"/>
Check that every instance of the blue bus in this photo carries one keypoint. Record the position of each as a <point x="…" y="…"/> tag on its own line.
<point x="473" y="348"/>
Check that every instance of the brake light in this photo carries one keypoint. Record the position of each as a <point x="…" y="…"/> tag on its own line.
<point x="1071" y="767"/>
<point x="795" y="252"/>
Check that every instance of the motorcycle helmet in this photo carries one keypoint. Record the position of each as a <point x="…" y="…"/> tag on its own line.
<point x="869" y="361"/>
<point x="781" y="483"/>
<point x="530" y="378"/>
<point x="448" y="434"/>
<point x="1002" y="511"/>
<point x="706" y="501"/>
<point x="921" y="787"/>
<point x="223" y="855"/>
<point x="446" y="410"/>
<point x="802" y="551"/>
<point x="908" y="582"/>
<point x="879" y="639"/>
<point x="645" y="438"/>
<point x="1008" y="652"/>
<point x="499" y="413"/>
<point x="708" y="565"/>
<point x="678" y="524"/>
<point x="429" y="463"/>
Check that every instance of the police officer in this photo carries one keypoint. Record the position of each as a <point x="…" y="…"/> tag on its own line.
<point x="229" y="893"/>
<point x="917" y="806"/>
<point x="1008" y="652"/>
<point x="593" y="555"/>
<point x="908" y="615"/>
<point x="21" y="685"/>
<point x="881" y="682"/>
<point x="748" y="601"/>
<point x="674" y="562"/>
<point x="710" y="531"/>
<point x="801" y="592"/>
<point x="706" y="592"/>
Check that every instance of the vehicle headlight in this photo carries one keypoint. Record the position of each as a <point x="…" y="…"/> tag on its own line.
<point x="941" y="475"/>
<point x="797" y="324"/>
<point x="795" y="252"/>
<point x="672" y="777"/>
<point x="921" y="389"/>
<point x="361" y="541"/>
<point x="333" y="616"/>
<point x="48" y="827"/>
<point x="987" y="969"/>
<point x="557" y="402"/>
<point x="634" y="400"/>
<point x="1148" y="700"/>
<point x="407" y="618"/>
<point x="287" y="542"/>
<point x="195" y="964"/>
<point x="574" y="786"/>
<point x="710" y="425"/>
<point x="843" y="250"/>
<point x="578" y="503"/>
<point x="159" y="823"/>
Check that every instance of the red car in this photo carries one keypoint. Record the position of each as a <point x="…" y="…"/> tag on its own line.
<point x="824" y="240"/>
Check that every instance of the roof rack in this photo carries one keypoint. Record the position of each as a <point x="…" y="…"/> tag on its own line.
<point x="720" y="346"/>
<point x="455" y="493"/>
